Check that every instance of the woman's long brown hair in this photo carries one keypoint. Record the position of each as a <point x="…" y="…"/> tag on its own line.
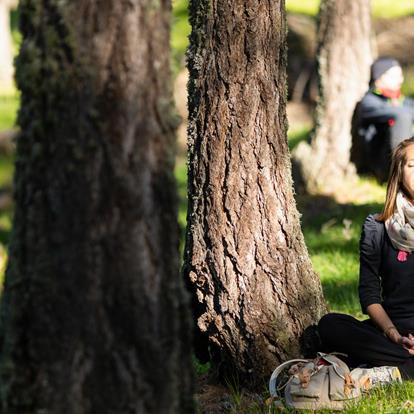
<point x="394" y="185"/>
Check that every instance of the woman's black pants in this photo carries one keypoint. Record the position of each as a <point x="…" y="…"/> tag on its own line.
<point x="363" y="343"/>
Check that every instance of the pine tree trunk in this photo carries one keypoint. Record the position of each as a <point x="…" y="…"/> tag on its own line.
<point x="245" y="255"/>
<point x="344" y="57"/>
<point x="94" y="316"/>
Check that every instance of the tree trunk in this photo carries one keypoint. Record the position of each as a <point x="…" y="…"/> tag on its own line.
<point x="344" y="57"/>
<point x="6" y="49"/>
<point x="245" y="255"/>
<point x="94" y="316"/>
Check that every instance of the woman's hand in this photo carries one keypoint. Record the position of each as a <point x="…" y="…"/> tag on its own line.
<point x="378" y="315"/>
<point x="407" y="342"/>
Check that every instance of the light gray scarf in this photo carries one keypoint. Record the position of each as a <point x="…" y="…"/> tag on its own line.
<point x="400" y="226"/>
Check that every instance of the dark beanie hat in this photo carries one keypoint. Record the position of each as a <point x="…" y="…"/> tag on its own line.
<point x="381" y="65"/>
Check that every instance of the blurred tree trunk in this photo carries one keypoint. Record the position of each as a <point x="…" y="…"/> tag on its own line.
<point x="344" y="57"/>
<point x="254" y="288"/>
<point x="6" y="49"/>
<point x="94" y="316"/>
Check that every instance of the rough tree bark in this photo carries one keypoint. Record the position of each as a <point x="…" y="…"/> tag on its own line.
<point x="94" y="316"/>
<point x="245" y="255"/>
<point x="344" y="57"/>
<point x="6" y="50"/>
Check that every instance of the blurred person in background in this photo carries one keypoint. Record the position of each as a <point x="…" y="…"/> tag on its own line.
<point x="385" y="115"/>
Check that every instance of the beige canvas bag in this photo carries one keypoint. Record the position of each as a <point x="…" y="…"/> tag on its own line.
<point x="314" y="384"/>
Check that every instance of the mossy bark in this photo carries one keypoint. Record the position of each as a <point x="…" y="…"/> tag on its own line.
<point x="94" y="316"/>
<point x="246" y="261"/>
<point x="344" y="56"/>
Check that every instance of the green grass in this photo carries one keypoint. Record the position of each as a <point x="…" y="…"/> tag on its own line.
<point x="393" y="399"/>
<point x="380" y="8"/>
<point x="332" y="236"/>
<point x="180" y="31"/>
<point x="17" y="37"/>
<point x="297" y="135"/>
<point x="8" y="110"/>
<point x="408" y="85"/>
<point x="389" y="8"/>
<point x="309" y="7"/>
<point x="181" y="178"/>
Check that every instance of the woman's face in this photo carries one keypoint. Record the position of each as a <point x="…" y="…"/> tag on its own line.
<point x="408" y="171"/>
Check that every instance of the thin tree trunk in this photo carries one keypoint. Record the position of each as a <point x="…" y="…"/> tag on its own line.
<point x="344" y="57"/>
<point x="93" y="316"/>
<point x="254" y="288"/>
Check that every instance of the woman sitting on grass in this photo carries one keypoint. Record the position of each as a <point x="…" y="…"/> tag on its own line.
<point x="386" y="285"/>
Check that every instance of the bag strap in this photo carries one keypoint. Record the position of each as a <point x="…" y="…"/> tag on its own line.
<point x="273" y="379"/>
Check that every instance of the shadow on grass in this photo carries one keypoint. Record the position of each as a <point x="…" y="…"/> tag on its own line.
<point x="318" y="210"/>
<point x="342" y="296"/>
<point x="329" y="226"/>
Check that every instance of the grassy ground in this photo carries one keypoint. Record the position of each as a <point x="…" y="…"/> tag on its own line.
<point x="396" y="399"/>
<point x="8" y="109"/>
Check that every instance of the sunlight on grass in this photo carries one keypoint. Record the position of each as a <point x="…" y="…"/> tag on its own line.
<point x="296" y="135"/>
<point x="364" y="191"/>
<point x="391" y="399"/>
<point x="389" y="8"/>
<point x="309" y="7"/>
<point x="380" y="8"/>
